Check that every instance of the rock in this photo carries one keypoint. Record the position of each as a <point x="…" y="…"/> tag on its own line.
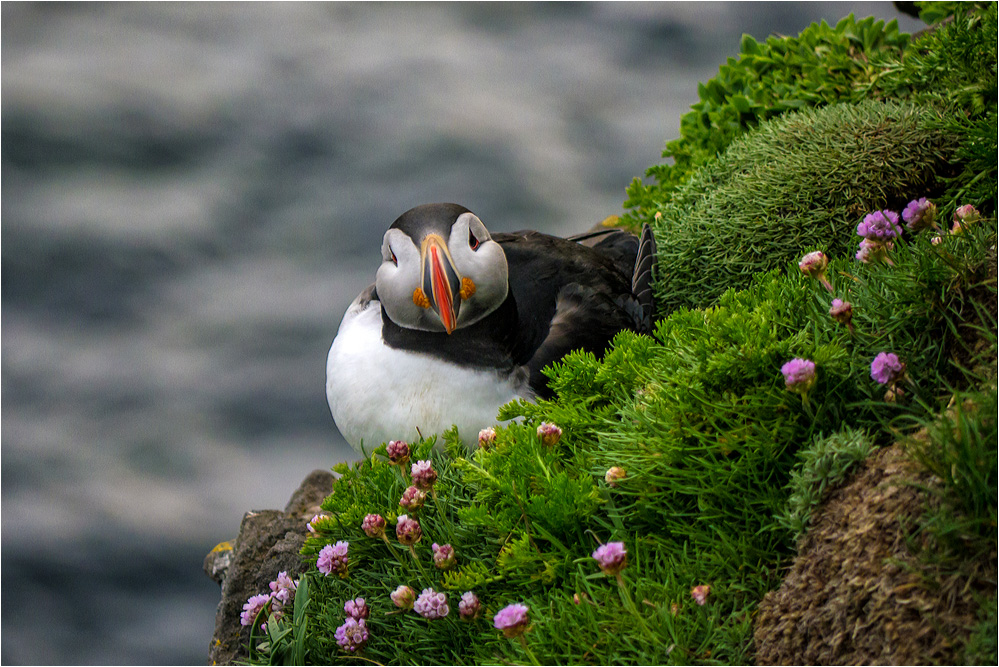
<point x="269" y="542"/>
<point x="856" y="593"/>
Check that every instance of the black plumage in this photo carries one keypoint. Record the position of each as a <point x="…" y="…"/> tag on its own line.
<point x="564" y="295"/>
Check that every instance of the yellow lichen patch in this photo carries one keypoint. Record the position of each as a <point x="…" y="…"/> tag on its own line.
<point x="222" y="546"/>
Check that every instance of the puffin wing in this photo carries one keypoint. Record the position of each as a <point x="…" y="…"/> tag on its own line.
<point x="569" y="297"/>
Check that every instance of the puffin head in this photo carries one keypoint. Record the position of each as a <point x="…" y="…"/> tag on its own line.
<point x="440" y="269"/>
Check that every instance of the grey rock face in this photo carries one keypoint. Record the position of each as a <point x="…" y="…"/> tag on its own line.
<point x="269" y="542"/>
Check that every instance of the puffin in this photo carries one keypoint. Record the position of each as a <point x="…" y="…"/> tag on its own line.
<point x="460" y="321"/>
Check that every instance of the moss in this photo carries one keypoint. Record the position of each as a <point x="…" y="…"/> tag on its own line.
<point x="799" y="183"/>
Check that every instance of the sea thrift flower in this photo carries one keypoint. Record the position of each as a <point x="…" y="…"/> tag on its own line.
<point x="424" y="475"/>
<point x="611" y="557"/>
<point x="283" y="589"/>
<point x="352" y="635"/>
<point x="512" y="620"/>
<point x="253" y="607"/>
<point x="842" y="312"/>
<point x="412" y="498"/>
<point x="886" y="368"/>
<point x="357" y="609"/>
<point x="469" y="608"/>
<point x="373" y="525"/>
<point x="919" y="214"/>
<point x="880" y="226"/>
<point x="398" y="452"/>
<point x="431" y="605"/>
<point x="314" y="521"/>
<point x="614" y="475"/>
<point x="700" y="594"/>
<point x="487" y="437"/>
<point x="549" y="434"/>
<point x="403" y="597"/>
<point x="799" y="375"/>
<point x="443" y="556"/>
<point x="408" y="530"/>
<point x="964" y="215"/>
<point x="814" y="265"/>
<point x="333" y="558"/>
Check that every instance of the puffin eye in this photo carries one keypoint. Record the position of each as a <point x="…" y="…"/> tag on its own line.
<point x="473" y="242"/>
<point x="394" y="260"/>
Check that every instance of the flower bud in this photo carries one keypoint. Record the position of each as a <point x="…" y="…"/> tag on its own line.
<point x="549" y="434"/>
<point x="424" y="475"/>
<point x="398" y="452"/>
<point x="799" y="375"/>
<point x="373" y="525"/>
<point x="403" y="597"/>
<point x="469" y="608"/>
<point x="700" y="594"/>
<point x="408" y="530"/>
<point x="487" y="437"/>
<point x="841" y="311"/>
<point x="357" y="609"/>
<point x="412" y="498"/>
<point x="614" y="475"/>
<point x="443" y="556"/>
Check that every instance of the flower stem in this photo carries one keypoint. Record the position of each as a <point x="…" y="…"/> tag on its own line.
<point x="630" y="604"/>
<point x="527" y="650"/>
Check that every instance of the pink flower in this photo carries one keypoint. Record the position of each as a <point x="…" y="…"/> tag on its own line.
<point x="398" y="451"/>
<point x="611" y="557"/>
<point x="512" y="620"/>
<point x="487" y="437"/>
<point x="373" y="525"/>
<point x="424" y="475"/>
<point x="799" y="375"/>
<point x="408" y="530"/>
<point x="814" y="265"/>
<point x="469" y="608"/>
<point x="283" y="589"/>
<point x="700" y="594"/>
<point x="403" y="597"/>
<point x="253" y="607"/>
<point x="841" y="311"/>
<point x="314" y="521"/>
<point x="549" y="434"/>
<point x="352" y="635"/>
<point x="614" y="475"/>
<point x="412" y="498"/>
<point x="964" y="215"/>
<point x="431" y="605"/>
<point x="443" y="556"/>
<point x="333" y="558"/>
<point x="886" y="368"/>
<point x="357" y="609"/>
<point x="919" y="214"/>
<point x="880" y="226"/>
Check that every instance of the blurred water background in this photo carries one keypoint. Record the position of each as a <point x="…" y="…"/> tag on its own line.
<point x="193" y="193"/>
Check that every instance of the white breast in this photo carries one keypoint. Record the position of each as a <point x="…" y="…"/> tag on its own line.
<point x="377" y="393"/>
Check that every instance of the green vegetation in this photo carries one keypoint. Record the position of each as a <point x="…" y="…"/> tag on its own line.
<point x="801" y="182"/>
<point x="721" y="465"/>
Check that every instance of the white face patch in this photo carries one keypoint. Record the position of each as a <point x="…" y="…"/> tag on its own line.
<point x="476" y="257"/>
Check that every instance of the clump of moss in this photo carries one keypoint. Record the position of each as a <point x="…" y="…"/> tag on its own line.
<point x="802" y="181"/>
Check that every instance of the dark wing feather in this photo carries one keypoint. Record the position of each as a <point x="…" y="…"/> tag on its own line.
<point x="568" y="296"/>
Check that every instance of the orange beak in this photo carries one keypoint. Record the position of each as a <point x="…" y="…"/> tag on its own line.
<point x="441" y="282"/>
